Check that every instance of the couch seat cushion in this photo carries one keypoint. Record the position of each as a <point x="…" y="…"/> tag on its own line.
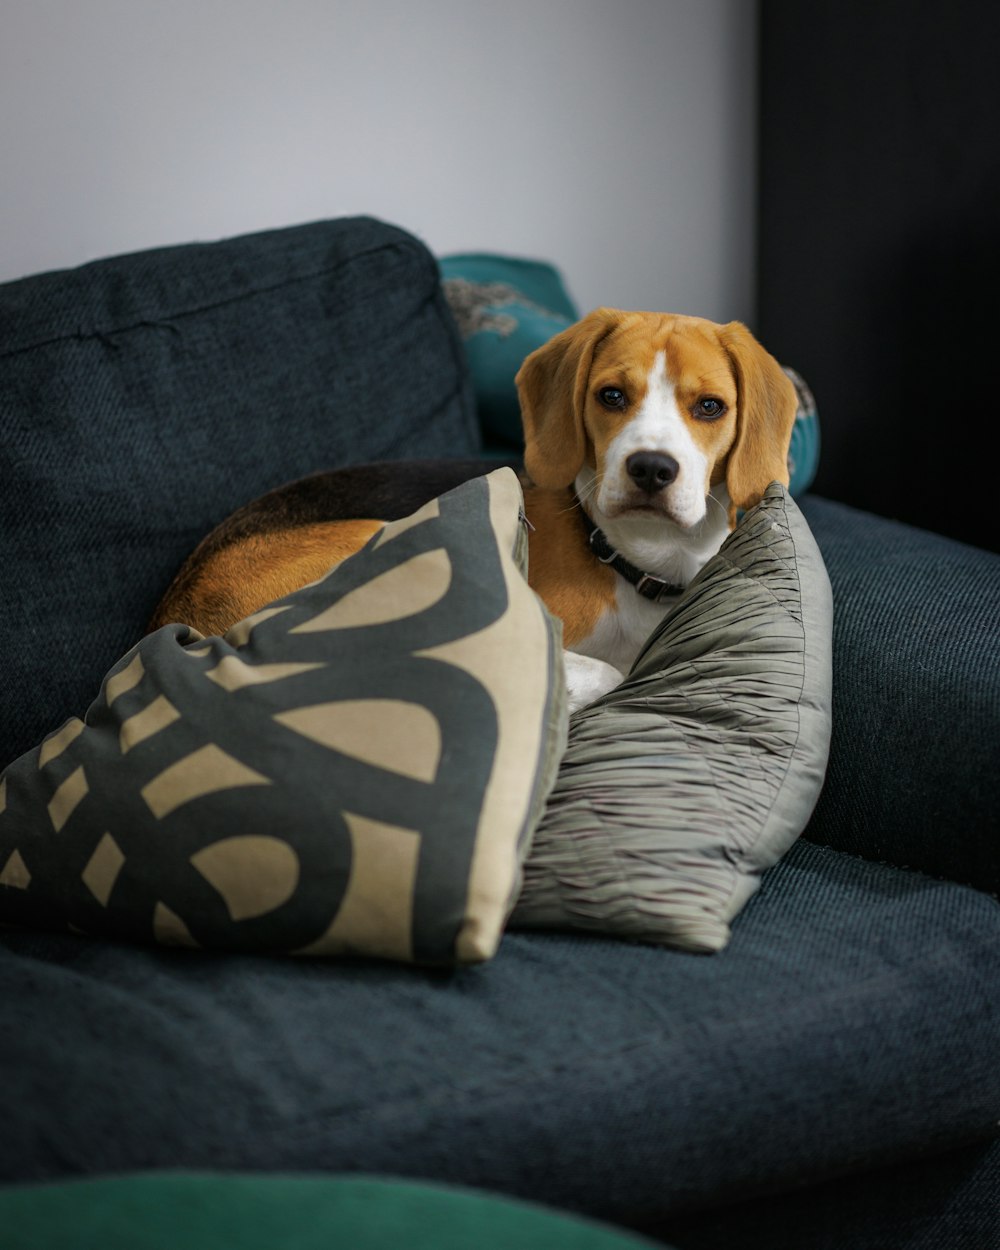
<point x="852" y="1020"/>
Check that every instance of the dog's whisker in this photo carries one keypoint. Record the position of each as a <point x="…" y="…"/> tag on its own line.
<point x="589" y="490"/>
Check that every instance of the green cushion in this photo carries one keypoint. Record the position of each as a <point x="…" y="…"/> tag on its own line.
<point x="355" y="769"/>
<point x="804" y="448"/>
<point x="505" y="307"/>
<point x="205" y="1211"/>
<point x="678" y="788"/>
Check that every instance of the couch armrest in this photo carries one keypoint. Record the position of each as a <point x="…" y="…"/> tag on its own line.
<point x="913" y="769"/>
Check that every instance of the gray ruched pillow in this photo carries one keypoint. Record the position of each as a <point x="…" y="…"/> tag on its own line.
<point x="678" y="788"/>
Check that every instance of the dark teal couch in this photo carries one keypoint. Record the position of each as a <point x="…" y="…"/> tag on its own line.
<point x="831" y="1079"/>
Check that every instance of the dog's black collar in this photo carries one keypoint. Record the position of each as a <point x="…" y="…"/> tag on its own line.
<point x="649" y="587"/>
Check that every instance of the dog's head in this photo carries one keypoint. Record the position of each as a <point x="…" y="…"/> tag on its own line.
<point x="659" y="408"/>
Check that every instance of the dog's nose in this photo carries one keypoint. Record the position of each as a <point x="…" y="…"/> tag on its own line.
<point x="651" y="470"/>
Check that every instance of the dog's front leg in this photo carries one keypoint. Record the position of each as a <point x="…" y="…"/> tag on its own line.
<point x="587" y="679"/>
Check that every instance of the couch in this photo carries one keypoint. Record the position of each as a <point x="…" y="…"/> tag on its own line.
<point x="830" y="1076"/>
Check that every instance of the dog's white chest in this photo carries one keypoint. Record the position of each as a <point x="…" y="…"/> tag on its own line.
<point x="621" y="632"/>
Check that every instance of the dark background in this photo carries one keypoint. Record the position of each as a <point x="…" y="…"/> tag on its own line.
<point x="879" y="247"/>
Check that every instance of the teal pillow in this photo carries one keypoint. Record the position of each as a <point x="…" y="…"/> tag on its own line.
<point x="355" y="769"/>
<point x="803" y="451"/>
<point x="505" y="307"/>
<point x="679" y="787"/>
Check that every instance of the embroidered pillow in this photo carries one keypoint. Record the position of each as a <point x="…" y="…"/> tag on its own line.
<point x="505" y="307"/>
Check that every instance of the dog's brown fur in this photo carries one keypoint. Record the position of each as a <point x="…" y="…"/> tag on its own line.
<point x="295" y="534"/>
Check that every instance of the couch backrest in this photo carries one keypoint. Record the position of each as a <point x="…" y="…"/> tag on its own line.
<point x="144" y="397"/>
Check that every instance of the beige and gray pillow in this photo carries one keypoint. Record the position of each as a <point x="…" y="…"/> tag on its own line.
<point x="358" y="768"/>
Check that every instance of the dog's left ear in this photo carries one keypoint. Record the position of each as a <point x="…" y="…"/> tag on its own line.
<point x="552" y="388"/>
<point x="766" y="407"/>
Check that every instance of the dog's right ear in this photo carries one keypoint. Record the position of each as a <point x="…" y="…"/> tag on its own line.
<point x="552" y="388"/>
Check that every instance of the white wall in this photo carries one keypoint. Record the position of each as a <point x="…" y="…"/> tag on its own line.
<point x="615" y="139"/>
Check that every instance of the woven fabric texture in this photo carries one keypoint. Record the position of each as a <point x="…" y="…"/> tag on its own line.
<point x="143" y="398"/>
<point x="913" y="770"/>
<point x="615" y="1079"/>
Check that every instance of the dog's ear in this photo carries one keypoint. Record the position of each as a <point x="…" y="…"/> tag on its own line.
<point x="766" y="407"/>
<point x="552" y="388"/>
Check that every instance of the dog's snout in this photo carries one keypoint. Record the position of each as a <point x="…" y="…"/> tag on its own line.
<point x="651" y="470"/>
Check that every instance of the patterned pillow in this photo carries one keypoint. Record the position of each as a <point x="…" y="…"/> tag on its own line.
<point x="505" y="307"/>
<point x="678" y="788"/>
<point x="357" y="768"/>
<point x="803" y="450"/>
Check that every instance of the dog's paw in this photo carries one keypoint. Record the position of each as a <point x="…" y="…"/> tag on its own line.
<point x="587" y="679"/>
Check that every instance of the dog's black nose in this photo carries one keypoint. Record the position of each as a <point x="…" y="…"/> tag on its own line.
<point x="651" y="470"/>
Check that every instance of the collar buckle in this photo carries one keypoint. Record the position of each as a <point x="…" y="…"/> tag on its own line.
<point x="600" y="547"/>
<point x="654" y="587"/>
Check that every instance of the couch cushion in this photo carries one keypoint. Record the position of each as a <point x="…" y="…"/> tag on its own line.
<point x="357" y="768"/>
<point x="681" y="785"/>
<point x="929" y="1202"/>
<point x="141" y="399"/>
<point x="912" y="776"/>
<point x="852" y="1021"/>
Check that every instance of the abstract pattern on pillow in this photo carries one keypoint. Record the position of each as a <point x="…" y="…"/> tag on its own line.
<point x="355" y="769"/>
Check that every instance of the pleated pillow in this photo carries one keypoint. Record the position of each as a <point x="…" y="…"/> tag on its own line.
<point x="678" y="788"/>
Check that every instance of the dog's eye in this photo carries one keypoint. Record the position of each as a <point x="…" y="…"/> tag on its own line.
<point x="709" y="408"/>
<point x="611" y="397"/>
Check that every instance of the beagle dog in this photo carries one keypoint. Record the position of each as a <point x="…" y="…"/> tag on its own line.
<point x="645" y="435"/>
